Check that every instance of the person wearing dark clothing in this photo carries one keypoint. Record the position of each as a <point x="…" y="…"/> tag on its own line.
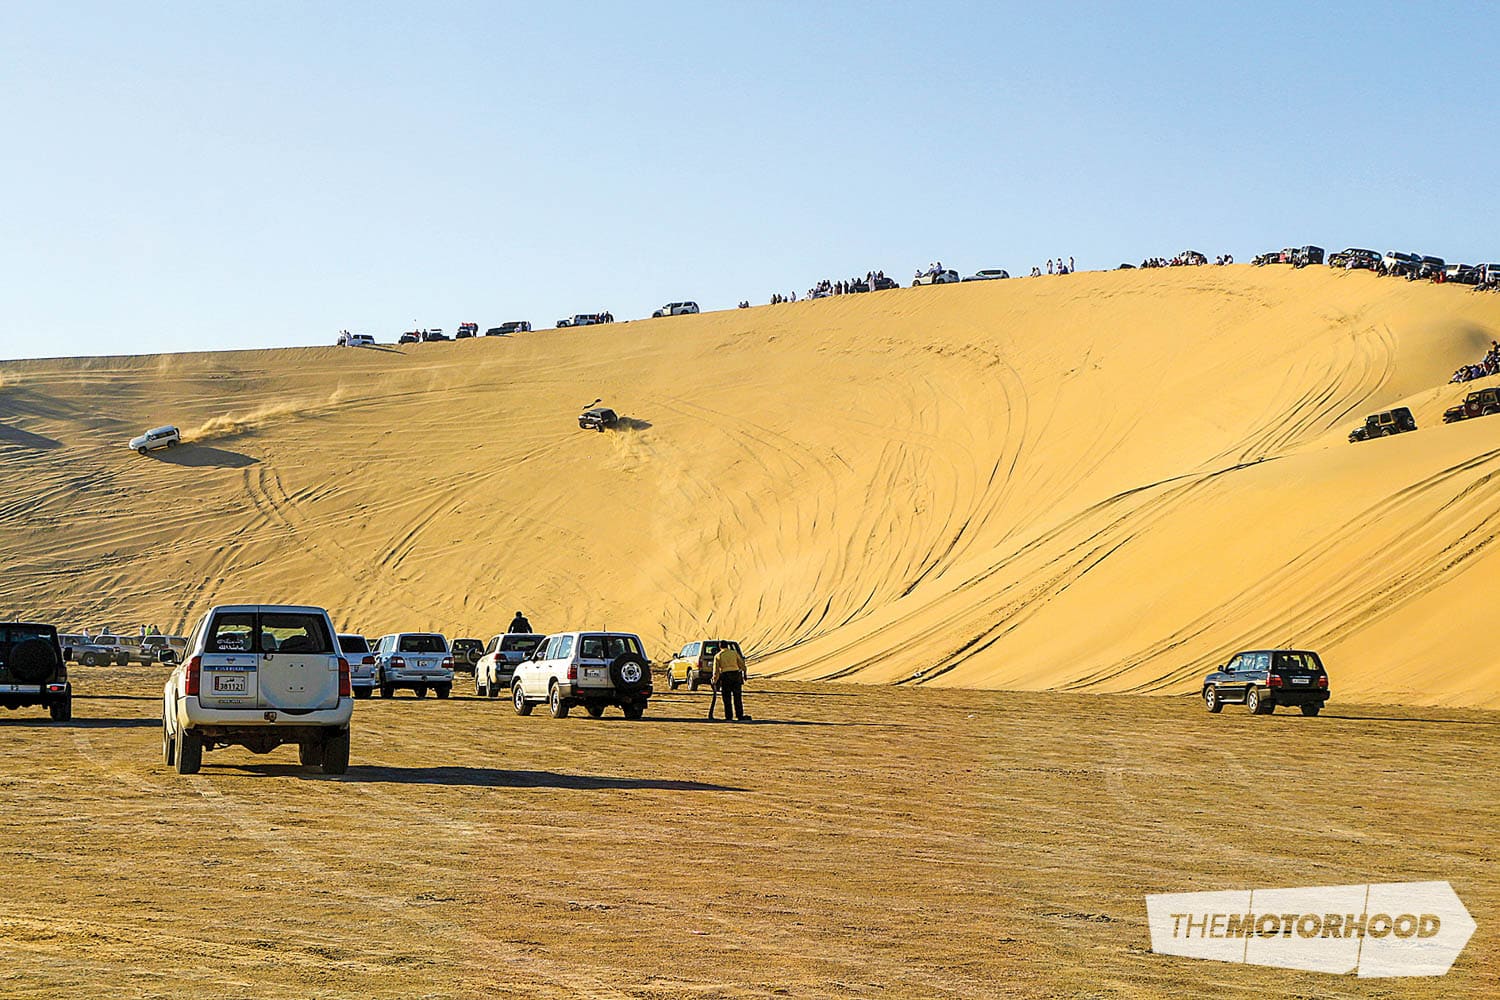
<point x="519" y="624"/>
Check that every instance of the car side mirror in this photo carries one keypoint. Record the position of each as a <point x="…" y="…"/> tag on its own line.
<point x="1226" y="670"/>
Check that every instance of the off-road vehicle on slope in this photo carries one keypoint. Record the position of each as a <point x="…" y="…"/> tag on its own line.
<point x="592" y="669"/>
<point x="676" y="309"/>
<point x="597" y="418"/>
<point x="1479" y="403"/>
<point x="1265" y="678"/>
<point x="1384" y="424"/>
<point x="258" y="676"/>
<point x="506" y="329"/>
<point x="33" y="669"/>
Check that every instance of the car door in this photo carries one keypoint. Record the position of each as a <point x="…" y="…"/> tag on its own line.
<point x="298" y="662"/>
<point x="229" y="670"/>
<point x="1231" y="681"/>
<point x="530" y="671"/>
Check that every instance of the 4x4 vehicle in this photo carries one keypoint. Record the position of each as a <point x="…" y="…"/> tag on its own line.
<point x="466" y="653"/>
<point x="100" y="651"/>
<point x="1354" y="258"/>
<point x="694" y="665"/>
<point x="989" y="274"/>
<point x="586" y="319"/>
<point x="1384" y="424"/>
<point x="592" y="669"/>
<point x="466" y="330"/>
<point x="1429" y="267"/>
<point x="155" y="649"/>
<point x="1303" y="256"/>
<point x="1401" y="265"/>
<point x="504" y="329"/>
<point x="497" y="667"/>
<point x="410" y="337"/>
<point x="33" y="669"/>
<point x="356" y="649"/>
<point x="434" y="335"/>
<point x="1261" y="679"/>
<point x="157" y="438"/>
<point x="416" y="660"/>
<point x="1479" y="403"/>
<point x="945" y="277"/>
<point x="259" y="676"/>
<point x="598" y="418"/>
<point x="676" y="309"/>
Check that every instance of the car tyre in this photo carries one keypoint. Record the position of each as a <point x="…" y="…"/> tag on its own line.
<point x="518" y="700"/>
<point x="168" y="745"/>
<point x="336" y="752"/>
<point x="362" y="692"/>
<point x="556" y="707"/>
<point x="692" y="681"/>
<point x="1311" y="710"/>
<point x="671" y="681"/>
<point x="310" y="753"/>
<point x="189" y="752"/>
<point x="61" y="711"/>
<point x="420" y="690"/>
<point x="88" y="660"/>
<point x="492" y="688"/>
<point x="387" y="691"/>
<point x="1211" y="699"/>
<point x="634" y="712"/>
<point x="443" y="690"/>
<point x="142" y="449"/>
<point x="1252" y="701"/>
<point x="595" y="711"/>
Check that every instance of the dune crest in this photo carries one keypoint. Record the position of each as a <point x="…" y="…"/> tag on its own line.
<point x="1099" y="482"/>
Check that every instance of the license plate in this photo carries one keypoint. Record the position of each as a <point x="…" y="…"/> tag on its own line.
<point x="593" y="673"/>
<point x="229" y="685"/>
<point x="1301" y="680"/>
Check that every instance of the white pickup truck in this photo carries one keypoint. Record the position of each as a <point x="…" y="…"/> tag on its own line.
<point x="258" y="676"/>
<point x="420" y="661"/>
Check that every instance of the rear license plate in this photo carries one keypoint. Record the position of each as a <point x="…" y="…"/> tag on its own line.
<point x="1301" y="680"/>
<point x="229" y="685"/>
<point x="593" y="673"/>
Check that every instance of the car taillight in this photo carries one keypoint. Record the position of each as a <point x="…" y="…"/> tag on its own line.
<point x="447" y="663"/>
<point x="194" y="674"/>
<point x="572" y="671"/>
<point x="345" y="690"/>
<point x="1274" y="681"/>
<point x="368" y="661"/>
<point x="1323" y="680"/>
<point x="398" y="662"/>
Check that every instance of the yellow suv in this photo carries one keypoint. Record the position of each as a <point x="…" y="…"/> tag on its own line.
<point x="695" y="664"/>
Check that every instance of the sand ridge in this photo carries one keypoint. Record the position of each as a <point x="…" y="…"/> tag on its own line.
<point x="1101" y="482"/>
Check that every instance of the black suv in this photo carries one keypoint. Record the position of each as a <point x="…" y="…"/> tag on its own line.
<point x="598" y="418"/>
<point x="33" y="670"/>
<point x="1261" y="679"/>
<point x="1384" y="424"/>
<point x="466" y="653"/>
<point x="1304" y="256"/>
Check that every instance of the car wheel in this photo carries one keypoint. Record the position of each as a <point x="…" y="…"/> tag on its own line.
<point x="1311" y="709"/>
<point x="493" y="688"/>
<point x="142" y="449"/>
<point x="443" y="690"/>
<point x="1252" y="701"/>
<point x="556" y="707"/>
<point x="1489" y="411"/>
<point x="362" y="692"/>
<point x="168" y="745"/>
<point x="479" y="689"/>
<point x="420" y="690"/>
<point x="123" y="660"/>
<point x="189" y="752"/>
<point x="518" y="700"/>
<point x="88" y="660"/>
<point x="692" y="681"/>
<point x="310" y="753"/>
<point x="595" y="711"/>
<point x="336" y="752"/>
<point x="634" y="711"/>
<point x="387" y="691"/>
<point x="1211" y="699"/>
<point x="671" y="681"/>
<point x="61" y="711"/>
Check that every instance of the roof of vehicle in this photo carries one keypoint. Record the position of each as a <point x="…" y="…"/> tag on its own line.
<point x="599" y="410"/>
<point x="438" y="634"/>
<point x="592" y="631"/>
<point x="1283" y="649"/>
<point x="28" y="625"/>
<point x="306" y="608"/>
<point x="164" y="429"/>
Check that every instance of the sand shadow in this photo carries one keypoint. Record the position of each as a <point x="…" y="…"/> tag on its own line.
<point x="199" y="456"/>
<point x="76" y="723"/>
<point x="756" y="720"/>
<point x="26" y="439"/>
<point x="384" y="348"/>
<point x="631" y="424"/>
<point x="482" y="777"/>
<point x="1428" y="722"/>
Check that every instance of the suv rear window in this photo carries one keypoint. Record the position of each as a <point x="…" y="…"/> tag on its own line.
<point x="607" y="647"/>
<point x="284" y="632"/>
<point x="1298" y="662"/>
<point x="712" y="648"/>
<point x="520" y="643"/>
<point x="422" y="644"/>
<point x="353" y="644"/>
<point x="10" y="635"/>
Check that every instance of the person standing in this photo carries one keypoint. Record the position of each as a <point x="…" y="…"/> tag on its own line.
<point x="519" y="625"/>
<point x="729" y="681"/>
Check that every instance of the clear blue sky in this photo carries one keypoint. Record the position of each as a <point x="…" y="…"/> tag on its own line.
<point x="212" y="175"/>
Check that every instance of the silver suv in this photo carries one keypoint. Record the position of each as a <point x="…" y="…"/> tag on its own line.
<point x="592" y="669"/>
<point x="497" y="667"/>
<point x="258" y="676"/>
<point x="416" y="660"/>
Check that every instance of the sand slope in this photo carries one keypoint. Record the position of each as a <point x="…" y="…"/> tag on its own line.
<point x="1104" y="482"/>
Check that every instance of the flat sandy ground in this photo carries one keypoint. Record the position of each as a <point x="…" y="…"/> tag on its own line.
<point x="850" y="842"/>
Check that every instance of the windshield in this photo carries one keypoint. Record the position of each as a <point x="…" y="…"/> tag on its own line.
<point x="422" y="644"/>
<point x="1298" y="662"/>
<point x="353" y="644"/>
<point x="520" y="643"/>
<point x="607" y="647"/>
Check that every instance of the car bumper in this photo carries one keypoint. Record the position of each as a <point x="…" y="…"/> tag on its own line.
<point x="1290" y="697"/>
<point x="420" y="677"/>
<point x="192" y="715"/>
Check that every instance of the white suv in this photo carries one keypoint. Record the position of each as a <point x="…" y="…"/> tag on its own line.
<point x="155" y="438"/>
<point x="676" y="309"/>
<point x="497" y="667"/>
<point x="592" y="669"/>
<point x="258" y="676"/>
<point x="416" y="660"/>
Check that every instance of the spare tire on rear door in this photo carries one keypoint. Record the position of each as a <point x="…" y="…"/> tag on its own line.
<point x="33" y="661"/>
<point x="629" y="672"/>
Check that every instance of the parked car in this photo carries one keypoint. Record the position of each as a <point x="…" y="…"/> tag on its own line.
<point x="598" y="418"/>
<point x="1354" y="258"/>
<point x="356" y="649"/>
<point x="592" y="669"/>
<point x="946" y="277"/>
<point x="991" y="274"/>
<point x="155" y="649"/>
<point x="505" y="329"/>
<point x="1384" y="424"/>
<point x="259" y="676"/>
<point x="433" y="336"/>
<point x="586" y="319"/>
<point x="34" y="669"/>
<point x="497" y="667"/>
<point x="1462" y="274"/>
<point x="694" y="664"/>
<point x="1479" y="403"/>
<point x="1194" y="257"/>
<point x="1429" y="267"/>
<point x="1304" y="256"/>
<point x="418" y="661"/>
<point x="361" y="340"/>
<point x="100" y="651"/>
<point x="410" y="337"/>
<point x="1401" y="264"/>
<point x="466" y="653"/>
<point x="676" y="309"/>
<point x="466" y="330"/>
<point x="1262" y="679"/>
<point x="156" y="439"/>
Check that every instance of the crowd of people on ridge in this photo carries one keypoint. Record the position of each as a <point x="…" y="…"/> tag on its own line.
<point x="1490" y="365"/>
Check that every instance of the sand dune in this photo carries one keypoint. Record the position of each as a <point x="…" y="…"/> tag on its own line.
<point x="1103" y="482"/>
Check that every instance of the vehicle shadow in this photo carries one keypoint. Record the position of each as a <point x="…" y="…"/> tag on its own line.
<point x="383" y="348"/>
<point x="26" y="439"/>
<point x="631" y="424"/>
<point x="76" y="723"/>
<point x="201" y="456"/>
<point x="483" y="777"/>
<point x="1429" y="722"/>
<point x="757" y="721"/>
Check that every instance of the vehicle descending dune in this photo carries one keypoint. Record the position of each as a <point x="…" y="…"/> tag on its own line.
<point x="1101" y="483"/>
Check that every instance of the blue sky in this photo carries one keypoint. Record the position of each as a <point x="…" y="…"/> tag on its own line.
<point x="185" y="176"/>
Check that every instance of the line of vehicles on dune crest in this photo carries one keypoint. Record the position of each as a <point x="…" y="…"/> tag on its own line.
<point x="1393" y="263"/>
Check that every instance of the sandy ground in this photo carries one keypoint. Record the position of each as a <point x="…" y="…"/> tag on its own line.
<point x="851" y="842"/>
<point x="1105" y="482"/>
